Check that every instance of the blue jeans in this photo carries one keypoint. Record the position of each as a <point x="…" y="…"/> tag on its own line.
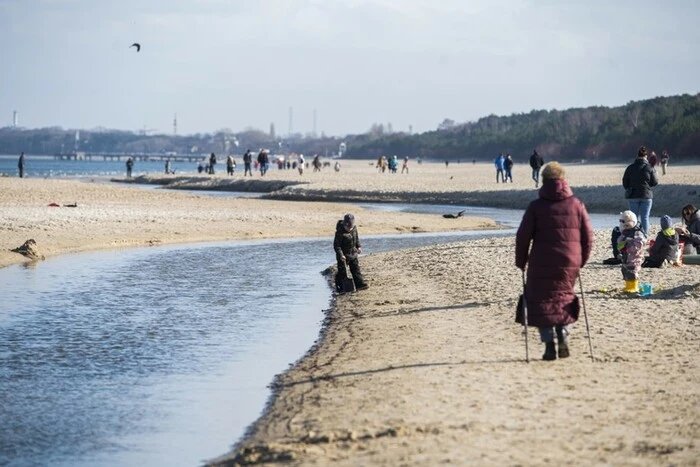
<point x="641" y="207"/>
<point x="536" y="176"/>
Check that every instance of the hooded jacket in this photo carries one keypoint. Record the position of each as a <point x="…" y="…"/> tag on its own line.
<point x="559" y="229"/>
<point x="346" y="242"/>
<point x="639" y="179"/>
<point x="665" y="246"/>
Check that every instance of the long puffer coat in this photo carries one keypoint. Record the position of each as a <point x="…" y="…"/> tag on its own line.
<point x="559" y="229"/>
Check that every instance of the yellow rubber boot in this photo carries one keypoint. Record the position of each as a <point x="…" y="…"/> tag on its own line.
<point x="631" y="286"/>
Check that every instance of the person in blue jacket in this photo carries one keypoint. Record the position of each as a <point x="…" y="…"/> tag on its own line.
<point x="500" y="163"/>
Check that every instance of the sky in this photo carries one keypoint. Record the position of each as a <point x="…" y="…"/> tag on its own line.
<point x="412" y="63"/>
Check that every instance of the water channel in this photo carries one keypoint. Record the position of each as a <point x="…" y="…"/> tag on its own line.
<point x="162" y="356"/>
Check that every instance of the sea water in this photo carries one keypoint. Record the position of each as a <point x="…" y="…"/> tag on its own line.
<point x="157" y="356"/>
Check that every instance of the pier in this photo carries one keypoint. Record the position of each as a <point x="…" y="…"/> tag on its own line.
<point x="89" y="156"/>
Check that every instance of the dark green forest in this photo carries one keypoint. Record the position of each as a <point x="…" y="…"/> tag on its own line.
<point x="591" y="133"/>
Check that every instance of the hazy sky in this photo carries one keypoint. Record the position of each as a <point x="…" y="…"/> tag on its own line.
<point x="233" y="64"/>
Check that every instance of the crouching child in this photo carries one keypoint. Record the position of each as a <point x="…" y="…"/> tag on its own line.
<point x="347" y="250"/>
<point x="665" y="247"/>
<point x="631" y="244"/>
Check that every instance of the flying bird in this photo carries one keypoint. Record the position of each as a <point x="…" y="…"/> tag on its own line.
<point x="137" y="45"/>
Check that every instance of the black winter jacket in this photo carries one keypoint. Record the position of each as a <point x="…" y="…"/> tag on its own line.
<point x="346" y="242"/>
<point x="536" y="161"/>
<point x="639" y="179"/>
<point x="693" y="226"/>
<point x="665" y="248"/>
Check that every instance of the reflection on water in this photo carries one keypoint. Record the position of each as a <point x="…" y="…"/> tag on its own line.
<point x="156" y="356"/>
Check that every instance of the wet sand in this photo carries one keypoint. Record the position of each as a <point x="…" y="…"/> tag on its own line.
<point x="427" y="367"/>
<point x="115" y="216"/>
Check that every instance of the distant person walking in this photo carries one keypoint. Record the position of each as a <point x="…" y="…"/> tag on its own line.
<point x="508" y="165"/>
<point x="168" y="170"/>
<point x="301" y="164"/>
<point x="500" y="167"/>
<point x="129" y="167"/>
<point x="212" y="163"/>
<point x="316" y="163"/>
<point x="536" y="162"/>
<point x="20" y="165"/>
<point x="230" y="165"/>
<point x="559" y="229"/>
<point x="247" y="163"/>
<point x="665" y="156"/>
<point x="263" y="161"/>
<point x="638" y="180"/>
<point x="404" y="167"/>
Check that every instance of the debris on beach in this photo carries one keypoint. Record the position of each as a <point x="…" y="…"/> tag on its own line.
<point x="29" y="249"/>
<point x="454" y="216"/>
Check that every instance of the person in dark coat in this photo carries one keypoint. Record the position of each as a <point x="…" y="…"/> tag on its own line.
<point x="347" y="248"/>
<point x="20" y="165"/>
<point x="559" y="229"/>
<point x="665" y="247"/>
<point x="638" y="180"/>
<point x="212" y="163"/>
<point x="508" y="165"/>
<point x="247" y="163"/>
<point x="129" y="167"/>
<point x="690" y="234"/>
<point x="536" y="162"/>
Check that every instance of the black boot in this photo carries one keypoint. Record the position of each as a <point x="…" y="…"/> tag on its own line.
<point x="563" y="341"/>
<point x="550" y="351"/>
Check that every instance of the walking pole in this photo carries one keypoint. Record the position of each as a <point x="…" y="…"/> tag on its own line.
<point x="527" y="347"/>
<point x="585" y="316"/>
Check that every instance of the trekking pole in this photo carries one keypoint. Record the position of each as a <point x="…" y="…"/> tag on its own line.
<point x="527" y="347"/>
<point x="585" y="316"/>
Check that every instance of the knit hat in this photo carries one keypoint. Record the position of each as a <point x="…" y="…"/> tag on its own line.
<point x="628" y="219"/>
<point x="349" y="221"/>
<point x="553" y="171"/>
<point x="666" y="222"/>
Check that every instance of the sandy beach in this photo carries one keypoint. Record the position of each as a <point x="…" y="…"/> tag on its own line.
<point x="426" y="366"/>
<point x="599" y="186"/>
<point x="115" y="216"/>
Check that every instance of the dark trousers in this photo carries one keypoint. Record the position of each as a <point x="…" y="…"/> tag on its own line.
<point x="247" y="170"/>
<point x="500" y="175"/>
<point x="342" y="274"/>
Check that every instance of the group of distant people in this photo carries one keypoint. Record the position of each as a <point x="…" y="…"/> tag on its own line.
<point x="391" y="164"/>
<point x="504" y="167"/>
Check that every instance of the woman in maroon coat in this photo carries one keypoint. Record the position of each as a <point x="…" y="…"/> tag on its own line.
<point x="559" y="229"/>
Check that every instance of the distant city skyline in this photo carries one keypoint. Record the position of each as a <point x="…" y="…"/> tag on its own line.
<point x="333" y="67"/>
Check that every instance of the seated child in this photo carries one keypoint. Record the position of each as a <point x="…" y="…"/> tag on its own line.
<point x="617" y="256"/>
<point x="665" y="247"/>
<point x="631" y="244"/>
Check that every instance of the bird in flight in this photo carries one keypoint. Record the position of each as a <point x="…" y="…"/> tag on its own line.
<point x="137" y="45"/>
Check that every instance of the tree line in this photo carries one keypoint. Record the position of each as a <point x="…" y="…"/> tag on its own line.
<point x="591" y="133"/>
